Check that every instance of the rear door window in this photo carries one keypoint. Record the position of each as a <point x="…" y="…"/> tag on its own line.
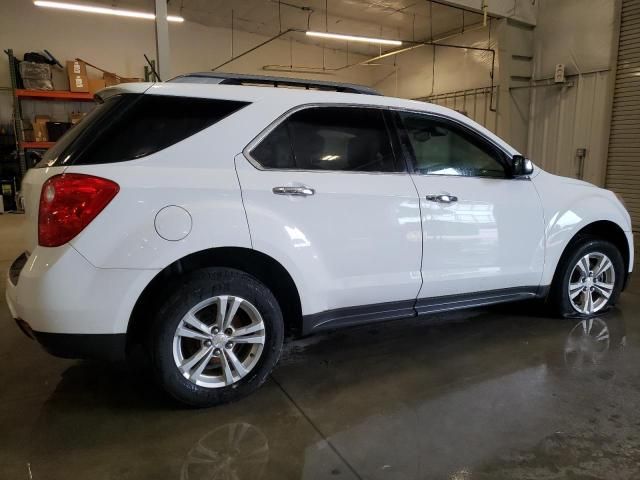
<point x="350" y="139"/>
<point x="275" y="150"/>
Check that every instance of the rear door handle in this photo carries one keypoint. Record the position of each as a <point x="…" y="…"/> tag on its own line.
<point x="302" y="191"/>
<point x="442" y="198"/>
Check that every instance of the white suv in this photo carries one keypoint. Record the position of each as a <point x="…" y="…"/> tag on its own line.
<point x="203" y="219"/>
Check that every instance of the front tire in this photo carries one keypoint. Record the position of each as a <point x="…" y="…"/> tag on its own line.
<point x="216" y="338"/>
<point x="588" y="278"/>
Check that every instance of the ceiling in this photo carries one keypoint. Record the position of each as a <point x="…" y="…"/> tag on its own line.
<point x="393" y="19"/>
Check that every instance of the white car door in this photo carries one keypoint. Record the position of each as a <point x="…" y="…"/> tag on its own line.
<point x="483" y="231"/>
<point x="327" y="198"/>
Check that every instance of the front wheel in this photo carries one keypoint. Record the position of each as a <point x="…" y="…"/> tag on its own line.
<point x="588" y="279"/>
<point x="216" y="338"/>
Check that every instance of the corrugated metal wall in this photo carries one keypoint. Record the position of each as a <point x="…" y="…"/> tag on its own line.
<point x="623" y="166"/>
<point x="567" y="118"/>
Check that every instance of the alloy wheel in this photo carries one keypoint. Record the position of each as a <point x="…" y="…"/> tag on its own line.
<point x="591" y="283"/>
<point x="219" y="341"/>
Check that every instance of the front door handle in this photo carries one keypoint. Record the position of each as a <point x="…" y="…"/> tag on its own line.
<point x="442" y="198"/>
<point x="302" y="191"/>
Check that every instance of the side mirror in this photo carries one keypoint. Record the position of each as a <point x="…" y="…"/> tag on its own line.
<point x="521" y="166"/>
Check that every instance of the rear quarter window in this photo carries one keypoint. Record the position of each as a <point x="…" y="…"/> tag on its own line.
<point x="128" y="127"/>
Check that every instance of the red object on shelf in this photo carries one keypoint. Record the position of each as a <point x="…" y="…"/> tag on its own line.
<point x="37" y="144"/>
<point x="54" y="95"/>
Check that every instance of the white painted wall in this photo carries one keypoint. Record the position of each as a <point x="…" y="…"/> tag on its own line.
<point x="578" y="33"/>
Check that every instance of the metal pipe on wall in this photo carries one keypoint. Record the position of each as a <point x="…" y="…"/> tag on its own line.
<point x="277" y="67"/>
<point x="414" y="44"/>
<point x="253" y="49"/>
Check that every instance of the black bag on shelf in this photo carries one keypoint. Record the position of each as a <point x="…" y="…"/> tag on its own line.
<point x="36" y="57"/>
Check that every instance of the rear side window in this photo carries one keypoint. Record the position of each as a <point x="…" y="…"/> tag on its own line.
<point x="128" y="127"/>
<point x="329" y="138"/>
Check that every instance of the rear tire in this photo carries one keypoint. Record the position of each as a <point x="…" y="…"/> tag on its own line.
<point x="588" y="278"/>
<point x="216" y="338"/>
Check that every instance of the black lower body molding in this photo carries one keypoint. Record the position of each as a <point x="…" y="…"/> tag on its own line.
<point x="109" y="347"/>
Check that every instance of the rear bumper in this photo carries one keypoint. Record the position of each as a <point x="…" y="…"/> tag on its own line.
<point x="67" y="345"/>
<point x="74" y="309"/>
<point x="110" y="347"/>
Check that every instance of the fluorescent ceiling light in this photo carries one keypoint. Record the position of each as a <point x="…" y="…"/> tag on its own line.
<point x="353" y="38"/>
<point x="103" y="10"/>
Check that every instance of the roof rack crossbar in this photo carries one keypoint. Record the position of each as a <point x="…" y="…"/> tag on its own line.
<point x="242" y="79"/>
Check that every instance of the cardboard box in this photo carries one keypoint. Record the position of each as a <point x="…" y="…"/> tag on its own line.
<point x="60" y="79"/>
<point x="96" y="84"/>
<point x="78" y="83"/>
<point x="40" y="133"/>
<point x="76" y="67"/>
<point x="75" y="117"/>
<point x="27" y="131"/>
<point x="110" y="79"/>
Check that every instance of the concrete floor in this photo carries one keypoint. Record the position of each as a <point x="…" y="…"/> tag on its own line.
<point x="500" y="393"/>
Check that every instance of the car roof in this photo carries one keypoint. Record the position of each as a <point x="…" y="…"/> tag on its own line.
<point x="292" y="97"/>
<point x="258" y="93"/>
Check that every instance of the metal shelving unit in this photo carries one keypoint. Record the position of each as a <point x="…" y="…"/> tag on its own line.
<point x="17" y="113"/>
<point x="20" y="94"/>
<point x="54" y="95"/>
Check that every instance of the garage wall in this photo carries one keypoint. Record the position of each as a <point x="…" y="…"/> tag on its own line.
<point x="462" y="77"/>
<point x="118" y="44"/>
<point x="547" y="123"/>
<point x="410" y="75"/>
<point x="623" y="176"/>
<point x="569" y="118"/>
<point x="581" y="34"/>
<point x="478" y="104"/>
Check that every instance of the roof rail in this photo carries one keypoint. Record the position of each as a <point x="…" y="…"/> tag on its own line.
<point x="241" y="79"/>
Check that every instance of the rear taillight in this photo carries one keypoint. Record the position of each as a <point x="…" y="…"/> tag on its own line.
<point x="68" y="203"/>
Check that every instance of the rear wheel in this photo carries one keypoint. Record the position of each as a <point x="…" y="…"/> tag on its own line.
<point x="588" y="279"/>
<point x="216" y="338"/>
